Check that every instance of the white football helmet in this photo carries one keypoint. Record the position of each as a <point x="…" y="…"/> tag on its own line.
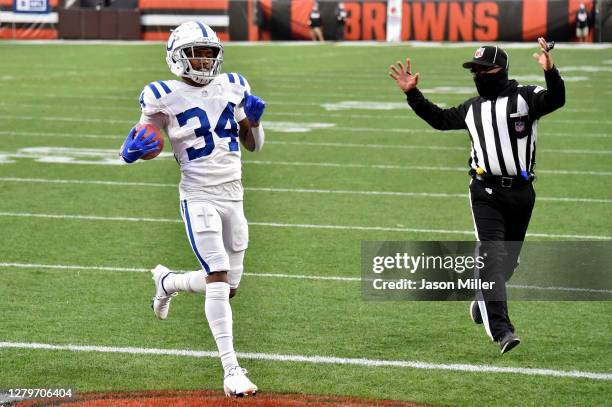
<point x="183" y="42"/>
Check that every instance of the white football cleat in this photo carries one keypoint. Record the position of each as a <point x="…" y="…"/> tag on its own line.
<point x="161" y="301"/>
<point x="236" y="384"/>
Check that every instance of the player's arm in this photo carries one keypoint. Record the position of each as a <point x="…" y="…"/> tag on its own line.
<point x="138" y="143"/>
<point x="246" y="134"/>
<point x="544" y="101"/>
<point x="251" y="131"/>
<point x="435" y="116"/>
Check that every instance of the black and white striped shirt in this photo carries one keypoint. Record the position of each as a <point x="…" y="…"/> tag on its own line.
<point x="503" y="131"/>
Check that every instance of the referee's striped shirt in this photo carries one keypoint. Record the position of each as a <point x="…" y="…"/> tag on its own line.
<point x="503" y="131"/>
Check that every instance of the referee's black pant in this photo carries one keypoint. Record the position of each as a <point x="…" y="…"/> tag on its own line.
<point x="500" y="215"/>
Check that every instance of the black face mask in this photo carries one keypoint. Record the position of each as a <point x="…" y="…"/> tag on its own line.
<point x="491" y="85"/>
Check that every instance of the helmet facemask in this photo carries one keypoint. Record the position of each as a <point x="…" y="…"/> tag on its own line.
<point x="197" y="67"/>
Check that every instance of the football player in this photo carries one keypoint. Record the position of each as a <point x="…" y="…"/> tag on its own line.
<point x="205" y="115"/>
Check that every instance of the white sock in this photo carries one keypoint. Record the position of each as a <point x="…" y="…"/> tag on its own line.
<point x="193" y="282"/>
<point x="219" y="315"/>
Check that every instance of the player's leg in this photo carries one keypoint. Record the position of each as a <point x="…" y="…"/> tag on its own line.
<point x="204" y="230"/>
<point x="235" y="273"/>
<point x="490" y="225"/>
<point x="518" y="215"/>
<point x="319" y="33"/>
<point x="168" y="284"/>
<point x="236" y="241"/>
<point x="203" y="221"/>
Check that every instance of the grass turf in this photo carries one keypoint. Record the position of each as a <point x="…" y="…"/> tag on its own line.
<point x="85" y="96"/>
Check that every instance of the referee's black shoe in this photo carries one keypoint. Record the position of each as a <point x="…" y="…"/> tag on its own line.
<point x="508" y="342"/>
<point x="475" y="312"/>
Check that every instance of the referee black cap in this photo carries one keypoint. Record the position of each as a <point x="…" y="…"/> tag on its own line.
<point x="489" y="55"/>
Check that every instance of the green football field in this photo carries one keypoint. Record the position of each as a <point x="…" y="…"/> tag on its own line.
<point x="345" y="161"/>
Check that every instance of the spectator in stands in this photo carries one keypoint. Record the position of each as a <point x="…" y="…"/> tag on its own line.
<point x="582" y="23"/>
<point x="316" y="23"/>
<point x="340" y="21"/>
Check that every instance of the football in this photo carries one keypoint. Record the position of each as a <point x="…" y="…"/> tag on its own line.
<point x="158" y="136"/>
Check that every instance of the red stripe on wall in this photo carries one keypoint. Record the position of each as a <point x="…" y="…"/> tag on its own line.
<point x="184" y="4"/>
<point x="266" y="10"/>
<point x="300" y="16"/>
<point x="28" y="34"/>
<point x="534" y="19"/>
<point x="253" y="30"/>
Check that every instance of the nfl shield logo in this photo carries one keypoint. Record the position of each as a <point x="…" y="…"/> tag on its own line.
<point x="519" y="127"/>
<point x="479" y="52"/>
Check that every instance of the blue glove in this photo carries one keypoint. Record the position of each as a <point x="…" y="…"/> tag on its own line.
<point x="253" y="107"/>
<point x="136" y="147"/>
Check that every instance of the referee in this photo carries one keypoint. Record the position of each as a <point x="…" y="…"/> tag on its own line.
<point x="502" y="125"/>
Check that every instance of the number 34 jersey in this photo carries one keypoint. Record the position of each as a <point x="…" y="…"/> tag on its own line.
<point x="202" y="125"/>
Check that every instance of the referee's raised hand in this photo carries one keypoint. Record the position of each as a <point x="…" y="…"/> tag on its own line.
<point x="402" y="75"/>
<point x="544" y="59"/>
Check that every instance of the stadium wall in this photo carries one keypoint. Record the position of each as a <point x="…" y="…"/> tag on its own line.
<point x="253" y="20"/>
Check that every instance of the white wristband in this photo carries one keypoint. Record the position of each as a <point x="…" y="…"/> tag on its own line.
<point x="259" y="136"/>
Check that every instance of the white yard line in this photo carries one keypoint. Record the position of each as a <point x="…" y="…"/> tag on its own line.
<point x="407" y="130"/>
<point x="423" y="147"/>
<point x="120" y="137"/>
<point x="346" y="114"/>
<point x="292" y="225"/>
<point x="410" y="167"/>
<point x="270" y="275"/>
<point x="289" y="190"/>
<point x="328" y="360"/>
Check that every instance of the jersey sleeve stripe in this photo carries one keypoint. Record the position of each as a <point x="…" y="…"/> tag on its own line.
<point x="231" y="78"/>
<point x="165" y="87"/>
<point x="242" y="82"/>
<point x="154" y="90"/>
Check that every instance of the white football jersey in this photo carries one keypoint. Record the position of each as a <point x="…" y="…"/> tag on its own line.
<point x="202" y="125"/>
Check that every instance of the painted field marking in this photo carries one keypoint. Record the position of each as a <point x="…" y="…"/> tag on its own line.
<point x="424" y="147"/>
<point x="89" y="156"/>
<point x="289" y="190"/>
<point x="291" y="225"/>
<point x="275" y="126"/>
<point x="272" y="275"/>
<point x="132" y="121"/>
<point x="329" y="360"/>
<point x="322" y="126"/>
<point x="410" y="167"/>
<point x="453" y="133"/>
<point x="274" y="102"/>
